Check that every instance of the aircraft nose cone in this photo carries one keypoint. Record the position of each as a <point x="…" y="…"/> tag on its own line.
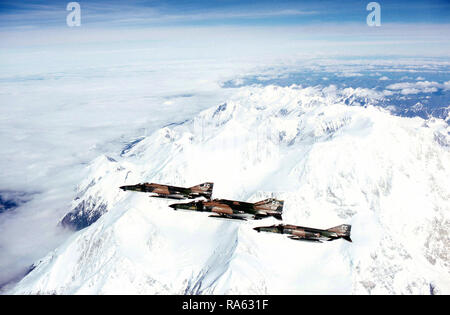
<point x="122" y="187"/>
<point x="173" y="206"/>
<point x="257" y="229"/>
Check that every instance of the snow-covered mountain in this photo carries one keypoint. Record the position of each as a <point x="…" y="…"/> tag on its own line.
<point x="332" y="160"/>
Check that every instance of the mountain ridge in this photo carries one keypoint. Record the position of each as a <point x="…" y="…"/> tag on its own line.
<point x="331" y="160"/>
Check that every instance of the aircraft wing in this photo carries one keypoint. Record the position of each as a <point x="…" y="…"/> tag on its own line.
<point x="228" y="216"/>
<point x="176" y="197"/>
<point x="296" y="238"/>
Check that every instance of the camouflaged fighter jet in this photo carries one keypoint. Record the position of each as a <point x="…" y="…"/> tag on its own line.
<point x="301" y="233"/>
<point x="173" y="192"/>
<point x="238" y="210"/>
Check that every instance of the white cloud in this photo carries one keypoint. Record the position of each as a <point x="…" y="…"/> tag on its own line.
<point x="63" y="107"/>
<point x="349" y="74"/>
<point x="406" y="88"/>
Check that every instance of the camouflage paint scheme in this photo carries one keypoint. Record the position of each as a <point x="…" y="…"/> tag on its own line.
<point x="301" y="233"/>
<point x="173" y="192"/>
<point x="239" y="210"/>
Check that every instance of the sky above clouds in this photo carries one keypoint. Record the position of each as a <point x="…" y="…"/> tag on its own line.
<point x="253" y="30"/>
<point x="224" y="12"/>
<point x="264" y="27"/>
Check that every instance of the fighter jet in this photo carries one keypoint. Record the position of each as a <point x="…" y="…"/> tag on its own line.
<point x="301" y="233"/>
<point x="173" y="192"/>
<point x="238" y="210"/>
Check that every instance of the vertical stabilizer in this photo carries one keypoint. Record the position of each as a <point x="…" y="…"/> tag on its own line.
<point x="343" y="231"/>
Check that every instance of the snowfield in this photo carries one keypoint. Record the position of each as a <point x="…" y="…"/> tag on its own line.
<point x="332" y="160"/>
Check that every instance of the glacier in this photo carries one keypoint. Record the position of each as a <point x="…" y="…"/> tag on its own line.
<point x="332" y="160"/>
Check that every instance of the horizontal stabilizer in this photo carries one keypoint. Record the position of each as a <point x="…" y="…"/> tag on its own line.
<point x="278" y="216"/>
<point x="347" y="238"/>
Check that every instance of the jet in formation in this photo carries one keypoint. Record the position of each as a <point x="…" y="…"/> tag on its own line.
<point x="301" y="233"/>
<point x="173" y="192"/>
<point x="238" y="210"/>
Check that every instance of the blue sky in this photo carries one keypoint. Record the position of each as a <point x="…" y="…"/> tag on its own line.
<point x="224" y="12"/>
<point x="199" y="28"/>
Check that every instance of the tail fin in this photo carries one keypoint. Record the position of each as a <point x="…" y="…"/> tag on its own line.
<point x="343" y="231"/>
<point x="270" y="204"/>
<point x="204" y="189"/>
